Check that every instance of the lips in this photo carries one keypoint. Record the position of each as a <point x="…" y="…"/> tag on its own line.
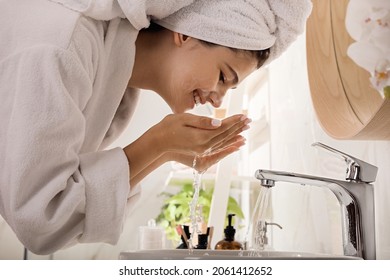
<point x="197" y="99"/>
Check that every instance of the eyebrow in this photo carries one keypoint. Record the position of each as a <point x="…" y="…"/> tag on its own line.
<point x="235" y="80"/>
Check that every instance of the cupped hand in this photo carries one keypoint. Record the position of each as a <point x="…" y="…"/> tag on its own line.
<point x="191" y="134"/>
<point x="202" y="162"/>
<point x="181" y="137"/>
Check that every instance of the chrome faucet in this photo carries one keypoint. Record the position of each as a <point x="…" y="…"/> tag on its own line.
<point x="355" y="195"/>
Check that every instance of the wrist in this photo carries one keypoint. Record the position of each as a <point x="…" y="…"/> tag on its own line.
<point x="143" y="152"/>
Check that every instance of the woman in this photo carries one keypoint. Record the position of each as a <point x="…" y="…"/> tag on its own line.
<point x="70" y="74"/>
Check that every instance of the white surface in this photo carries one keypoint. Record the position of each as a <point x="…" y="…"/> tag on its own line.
<point x="224" y="254"/>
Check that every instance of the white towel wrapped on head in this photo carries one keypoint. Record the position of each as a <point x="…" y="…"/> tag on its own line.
<point x="246" y="24"/>
<point x="241" y="24"/>
<point x="138" y="12"/>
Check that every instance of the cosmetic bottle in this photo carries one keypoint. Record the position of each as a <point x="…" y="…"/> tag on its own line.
<point x="229" y="243"/>
<point x="185" y="235"/>
<point x="151" y="236"/>
<point x="202" y="241"/>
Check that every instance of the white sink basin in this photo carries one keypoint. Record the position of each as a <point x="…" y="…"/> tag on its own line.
<point x="178" y="254"/>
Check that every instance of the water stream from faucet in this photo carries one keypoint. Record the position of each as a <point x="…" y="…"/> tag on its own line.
<point x="259" y="214"/>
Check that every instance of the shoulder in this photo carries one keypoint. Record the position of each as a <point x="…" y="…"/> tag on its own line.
<point x="25" y="24"/>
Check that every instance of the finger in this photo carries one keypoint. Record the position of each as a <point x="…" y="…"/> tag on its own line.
<point x="237" y="139"/>
<point x="230" y="133"/>
<point x="233" y="146"/>
<point x="211" y="123"/>
<point x="229" y="121"/>
<point x="237" y="145"/>
<point x="231" y="125"/>
<point x="201" y="122"/>
<point x="230" y="128"/>
<point x="209" y="160"/>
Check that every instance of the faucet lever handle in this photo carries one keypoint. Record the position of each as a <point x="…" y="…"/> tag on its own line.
<point x="261" y="237"/>
<point x="273" y="224"/>
<point x="358" y="170"/>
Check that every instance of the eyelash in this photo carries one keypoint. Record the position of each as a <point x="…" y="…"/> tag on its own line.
<point x="222" y="77"/>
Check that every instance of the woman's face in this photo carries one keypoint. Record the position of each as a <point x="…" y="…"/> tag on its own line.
<point x="201" y="73"/>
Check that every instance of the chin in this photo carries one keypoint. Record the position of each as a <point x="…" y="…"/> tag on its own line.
<point x="179" y="109"/>
<point x="176" y="110"/>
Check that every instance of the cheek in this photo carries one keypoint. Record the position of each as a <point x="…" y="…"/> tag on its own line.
<point x="194" y="70"/>
<point x="204" y="82"/>
<point x="178" y="92"/>
<point x="184" y="81"/>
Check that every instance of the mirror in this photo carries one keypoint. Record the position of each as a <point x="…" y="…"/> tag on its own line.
<point x="346" y="105"/>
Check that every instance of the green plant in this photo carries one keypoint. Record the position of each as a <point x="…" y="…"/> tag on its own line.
<point x="176" y="211"/>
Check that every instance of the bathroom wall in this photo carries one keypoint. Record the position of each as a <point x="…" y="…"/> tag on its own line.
<point x="309" y="216"/>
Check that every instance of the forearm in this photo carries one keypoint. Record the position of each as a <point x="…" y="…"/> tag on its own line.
<point x="144" y="155"/>
<point x="147" y="170"/>
<point x="185" y="159"/>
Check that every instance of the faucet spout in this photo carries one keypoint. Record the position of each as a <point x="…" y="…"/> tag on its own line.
<point x="356" y="203"/>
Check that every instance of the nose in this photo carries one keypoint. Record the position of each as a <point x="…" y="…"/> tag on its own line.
<point x="216" y="97"/>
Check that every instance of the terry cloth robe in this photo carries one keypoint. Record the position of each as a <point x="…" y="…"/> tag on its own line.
<point x="63" y="99"/>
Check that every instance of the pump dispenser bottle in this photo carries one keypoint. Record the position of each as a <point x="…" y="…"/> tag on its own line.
<point x="228" y="243"/>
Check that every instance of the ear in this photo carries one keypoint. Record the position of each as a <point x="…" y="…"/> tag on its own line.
<point x="180" y="39"/>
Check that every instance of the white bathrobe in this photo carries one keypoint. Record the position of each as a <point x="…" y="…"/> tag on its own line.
<point x="63" y="99"/>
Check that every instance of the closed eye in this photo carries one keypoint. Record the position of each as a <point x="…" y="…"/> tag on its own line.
<point x="222" y="77"/>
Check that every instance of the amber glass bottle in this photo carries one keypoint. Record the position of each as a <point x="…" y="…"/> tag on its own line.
<point x="229" y="243"/>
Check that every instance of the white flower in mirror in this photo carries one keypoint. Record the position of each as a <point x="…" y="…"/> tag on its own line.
<point x="368" y="23"/>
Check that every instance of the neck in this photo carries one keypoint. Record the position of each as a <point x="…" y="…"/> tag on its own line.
<point x="149" y="63"/>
